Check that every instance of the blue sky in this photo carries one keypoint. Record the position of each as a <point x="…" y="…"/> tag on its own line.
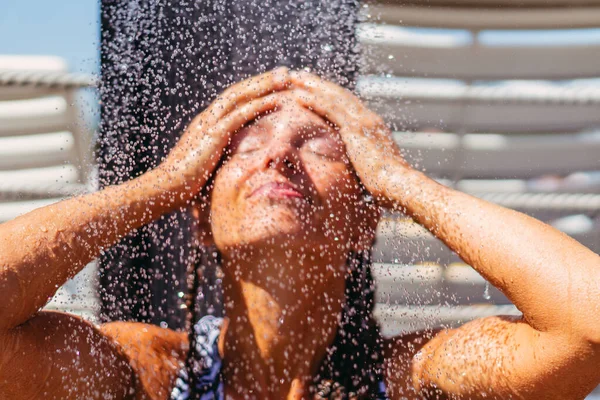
<point x="67" y="28"/>
<point x="70" y="29"/>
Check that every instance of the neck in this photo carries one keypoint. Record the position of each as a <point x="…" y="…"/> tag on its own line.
<point x="283" y="312"/>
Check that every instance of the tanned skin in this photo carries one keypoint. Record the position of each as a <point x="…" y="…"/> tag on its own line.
<point x="285" y="210"/>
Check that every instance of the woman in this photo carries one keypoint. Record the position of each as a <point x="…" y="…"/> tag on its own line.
<point x="289" y="217"/>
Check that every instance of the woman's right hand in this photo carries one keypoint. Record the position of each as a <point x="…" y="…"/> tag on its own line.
<point x="190" y="163"/>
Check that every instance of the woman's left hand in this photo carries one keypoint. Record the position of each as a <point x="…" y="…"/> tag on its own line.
<point x="369" y="143"/>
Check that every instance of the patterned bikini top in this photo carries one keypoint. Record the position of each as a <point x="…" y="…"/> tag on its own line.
<point x="207" y="364"/>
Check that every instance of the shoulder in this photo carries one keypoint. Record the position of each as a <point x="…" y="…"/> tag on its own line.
<point x="155" y="354"/>
<point x="485" y="356"/>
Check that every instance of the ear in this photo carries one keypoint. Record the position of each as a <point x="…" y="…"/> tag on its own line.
<point x="201" y="213"/>
<point x="369" y="214"/>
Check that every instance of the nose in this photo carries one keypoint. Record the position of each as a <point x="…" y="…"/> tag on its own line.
<point x="284" y="151"/>
<point x="283" y="158"/>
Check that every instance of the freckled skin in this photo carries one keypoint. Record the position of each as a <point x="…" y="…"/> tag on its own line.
<point x="282" y="251"/>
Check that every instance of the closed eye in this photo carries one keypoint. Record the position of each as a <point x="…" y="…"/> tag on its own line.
<point x="324" y="147"/>
<point x="250" y="144"/>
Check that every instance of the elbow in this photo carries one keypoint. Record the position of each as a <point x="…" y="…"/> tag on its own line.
<point x="592" y="337"/>
<point x="11" y="286"/>
<point x="582" y="330"/>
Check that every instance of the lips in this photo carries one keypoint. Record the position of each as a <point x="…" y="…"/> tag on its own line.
<point x="277" y="190"/>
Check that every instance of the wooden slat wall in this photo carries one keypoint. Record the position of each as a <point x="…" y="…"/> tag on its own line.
<point x="408" y="55"/>
<point x="487" y="14"/>
<point x="500" y="156"/>
<point x="488" y="138"/>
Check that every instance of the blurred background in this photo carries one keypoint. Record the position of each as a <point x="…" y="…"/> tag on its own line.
<point x="498" y="98"/>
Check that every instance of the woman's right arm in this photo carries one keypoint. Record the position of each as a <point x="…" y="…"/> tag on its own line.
<point x="53" y="355"/>
<point x="41" y="250"/>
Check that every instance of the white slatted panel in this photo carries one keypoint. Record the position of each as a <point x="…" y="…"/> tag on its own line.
<point x="396" y="51"/>
<point x="24" y="93"/>
<point x="61" y="174"/>
<point x="41" y="148"/>
<point x="488" y="15"/>
<point x="11" y="210"/>
<point x="452" y="106"/>
<point x="532" y="4"/>
<point x="33" y="64"/>
<point x="40" y="115"/>
<point x="501" y="156"/>
<point x="404" y="242"/>
<point x="31" y="151"/>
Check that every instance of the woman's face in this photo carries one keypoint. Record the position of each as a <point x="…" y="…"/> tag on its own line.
<point x="287" y="182"/>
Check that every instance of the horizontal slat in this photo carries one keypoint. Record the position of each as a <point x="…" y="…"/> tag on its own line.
<point x="549" y="203"/>
<point x="33" y="63"/>
<point x="28" y="191"/>
<point x="432" y="284"/>
<point x="21" y="84"/>
<point x="36" y="151"/>
<point x="501" y="156"/>
<point x="11" y="210"/>
<point x="26" y="117"/>
<point x="495" y="3"/>
<point x="27" y="92"/>
<point x="577" y="182"/>
<point x="394" y="50"/>
<point x="61" y="174"/>
<point x="413" y="105"/>
<point x="28" y="65"/>
<point x="38" y="183"/>
<point x="488" y="15"/>
<point x="398" y="320"/>
<point x="581" y="93"/>
<point x="409" y="243"/>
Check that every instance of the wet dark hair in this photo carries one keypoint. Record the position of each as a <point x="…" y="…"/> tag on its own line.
<point x="353" y="365"/>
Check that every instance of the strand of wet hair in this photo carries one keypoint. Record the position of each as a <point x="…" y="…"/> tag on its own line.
<point x="193" y="281"/>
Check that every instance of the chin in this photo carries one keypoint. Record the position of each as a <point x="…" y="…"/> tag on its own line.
<point x="278" y="226"/>
<point x="272" y="227"/>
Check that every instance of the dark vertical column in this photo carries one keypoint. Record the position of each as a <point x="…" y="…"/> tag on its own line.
<point x="161" y="63"/>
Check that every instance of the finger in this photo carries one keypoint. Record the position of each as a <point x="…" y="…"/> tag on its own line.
<point x="314" y="84"/>
<point x="211" y="141"/>
<point x="323" y="105"/>
<point x="347" y="101"/>
<point x="360" y="133"/>
<point x="249" y="89"/>
<point x="247" y="112"/>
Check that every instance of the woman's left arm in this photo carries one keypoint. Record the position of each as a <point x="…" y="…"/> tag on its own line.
<point x="554" y="350"/>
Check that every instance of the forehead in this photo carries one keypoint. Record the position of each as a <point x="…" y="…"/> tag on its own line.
<point x="290" y="120"/>
<point x="287" y="122"/>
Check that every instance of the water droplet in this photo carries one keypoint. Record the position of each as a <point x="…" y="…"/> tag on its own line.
<point x="486" y="291"/>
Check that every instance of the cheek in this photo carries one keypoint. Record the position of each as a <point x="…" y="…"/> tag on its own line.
<point x="331" y="178"/>
<point x="337" y="187"/>
<point x="225" y="189"/>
